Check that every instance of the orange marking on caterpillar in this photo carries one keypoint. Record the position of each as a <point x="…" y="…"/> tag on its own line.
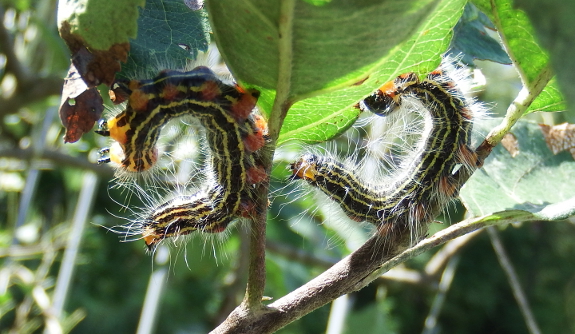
<point x="134" y="85"/>
<point x="304" y="170"/>
<point x="389" y="88"/>
<point x="446" y="187"/>
<point x="150" y="237"/>
<point x="256" y="174"/>
<point x="254" y="141"/>
<point x="260" y="124"/>
<point x="170" y="92"/>
<point x="242" y="108"/>
<point x="210" y="90"/>
<point x="139" y="100"/>
<point x="466" y="156"/>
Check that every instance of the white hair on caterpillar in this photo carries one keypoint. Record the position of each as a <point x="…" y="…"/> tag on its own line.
<point x="395" y="150"/>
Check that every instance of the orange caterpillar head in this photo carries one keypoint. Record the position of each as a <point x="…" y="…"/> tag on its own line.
<point x="151" y="238"/>
<point x="128" y="152"/>
<point x="304" y="168"/>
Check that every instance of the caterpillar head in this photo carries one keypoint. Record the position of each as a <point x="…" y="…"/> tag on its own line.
<point x="305" y="168"/>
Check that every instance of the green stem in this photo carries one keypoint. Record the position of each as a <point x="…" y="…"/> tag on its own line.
<point x="257" y="269"/>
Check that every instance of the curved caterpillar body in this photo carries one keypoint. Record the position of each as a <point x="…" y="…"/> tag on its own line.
<point x="427" y="182"/>
<point x="233" y="134"/>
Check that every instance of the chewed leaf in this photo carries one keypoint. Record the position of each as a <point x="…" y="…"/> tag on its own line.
<point x="534" y="178"/>
<point x="97" y="24"/>
<point x="169" y="34"/>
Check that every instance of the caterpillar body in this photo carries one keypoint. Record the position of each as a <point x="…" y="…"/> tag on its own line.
<point x="427" y="182"/>
<point x="233" y="134"/>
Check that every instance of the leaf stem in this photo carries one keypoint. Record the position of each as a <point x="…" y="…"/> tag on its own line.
<point x="257" y="269"/>
<point x="282" y="101"/>
<point x="517" y="109"/>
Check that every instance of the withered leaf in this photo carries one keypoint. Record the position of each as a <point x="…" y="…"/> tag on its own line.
<point x="88" y="69"/>
<point x="79" y="116"/>
<point x="559" y="137"/>
<point x="511" y="144"/>
<point x="95" y="66"/>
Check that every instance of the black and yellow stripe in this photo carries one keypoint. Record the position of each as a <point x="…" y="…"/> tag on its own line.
<point x="225" y="113"/>
<point x="428" y="182"/>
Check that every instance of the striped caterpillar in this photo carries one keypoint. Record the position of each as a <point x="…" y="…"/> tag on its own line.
<point x="426" y="182"/>
<point x="233" y="134"/>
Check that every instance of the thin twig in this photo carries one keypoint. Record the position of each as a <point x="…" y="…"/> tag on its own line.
<point x="509" y="270"/>
<point x="256" y="273"/>
<point x="59" y="159"/>
<point x="430" y="325"/>
<point x="450" y="249"/>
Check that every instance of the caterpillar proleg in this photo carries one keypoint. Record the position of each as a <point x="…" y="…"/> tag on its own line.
<point x="425" y="183"/>
<point x="233" y="134"/>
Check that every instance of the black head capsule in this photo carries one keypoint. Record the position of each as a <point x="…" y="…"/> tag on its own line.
<point x="103" y="128"/>
<point x="103" y="160"/>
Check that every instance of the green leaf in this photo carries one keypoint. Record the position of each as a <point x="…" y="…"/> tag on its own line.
<point x="549" y="100"/>
<point x="554" y="20"/>
<point x="519" y="37"/>
<point x="339" y="53"/>
<point x="532" y="180"/>
<point x="101" y="23"/>
<point x="169" y="33"/>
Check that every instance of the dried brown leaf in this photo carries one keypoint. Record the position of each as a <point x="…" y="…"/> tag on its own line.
<point x="82" y="104"/>
<point x="80" y="108"/>
<point x="511" y="144"/>
<point x="95" y="66"/>
<point x="559" y="137"/>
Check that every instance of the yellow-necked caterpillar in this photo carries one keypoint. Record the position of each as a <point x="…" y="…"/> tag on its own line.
<point x="426" y="182"/>
<point x="233" y="134"/>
